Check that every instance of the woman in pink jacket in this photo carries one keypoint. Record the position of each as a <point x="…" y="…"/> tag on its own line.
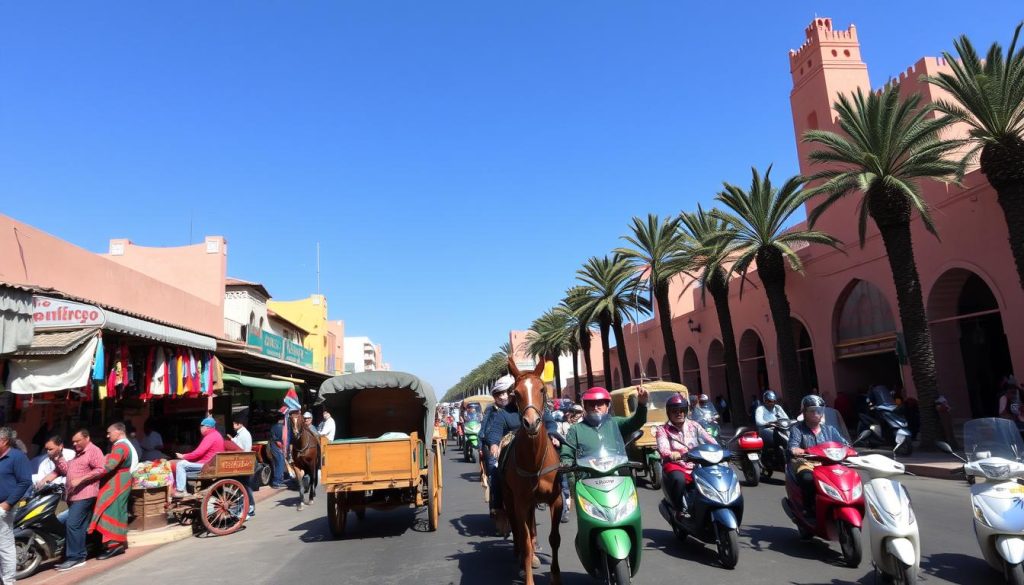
<point x="675" y="438"/>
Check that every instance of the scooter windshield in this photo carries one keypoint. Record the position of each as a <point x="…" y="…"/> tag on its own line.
<point x="993" y="437"/>
<point x="474" y="416"/>
<point x="610" y="454"/>
<point x="832" y="417"/>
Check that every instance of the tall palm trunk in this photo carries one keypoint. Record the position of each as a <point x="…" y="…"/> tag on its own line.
<point x="576" y="373"/>
<point x="718" y="286"/>
<point x="604" y="323"/>
<point x="771" y="267"/>
<point x="558" y="376"/>
<point x="892" y="215"/>
<point x="665" y="319"/>
<point x="587" y="362"/>
<point x="621" y="349"/>
<point x="1003" y="166"/>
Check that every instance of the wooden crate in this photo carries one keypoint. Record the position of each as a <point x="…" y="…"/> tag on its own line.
<point x="147" y="508"/>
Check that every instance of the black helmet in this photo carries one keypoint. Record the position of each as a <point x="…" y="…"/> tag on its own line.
<point x="811" y="400"/>
<point x="769" y="395"/>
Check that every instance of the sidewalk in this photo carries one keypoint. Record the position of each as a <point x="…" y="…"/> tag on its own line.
<point x="93" y="567"/>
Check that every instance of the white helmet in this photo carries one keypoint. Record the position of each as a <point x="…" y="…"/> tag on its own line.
<point x="503" y="384"/>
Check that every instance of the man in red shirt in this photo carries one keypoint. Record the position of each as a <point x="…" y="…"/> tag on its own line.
<point x="211" y="444"/>
<point x="83" y="474"/>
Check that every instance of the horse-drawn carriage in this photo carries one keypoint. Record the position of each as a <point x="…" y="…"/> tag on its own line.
<point x="645" y="449"/>
<point x="219" y="499"/>
<point x="379" y="458"/>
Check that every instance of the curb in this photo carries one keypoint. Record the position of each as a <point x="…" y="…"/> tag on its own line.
<point x="934" y="471"/>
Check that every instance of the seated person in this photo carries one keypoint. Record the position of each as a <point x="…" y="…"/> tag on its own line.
<point x="768" y="412"/>
<point x="211" y="444"/>
<point x="809" y="432"/>
<point x="675" y="438"/>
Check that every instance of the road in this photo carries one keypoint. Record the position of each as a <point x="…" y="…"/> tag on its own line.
<point x="282" y="545"/>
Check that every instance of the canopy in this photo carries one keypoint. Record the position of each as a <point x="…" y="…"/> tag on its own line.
<point x="263" y="389"/>
<point x="339" y="392"/>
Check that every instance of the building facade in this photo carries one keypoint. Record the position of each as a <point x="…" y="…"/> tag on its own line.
<point x="362" y="355"/>
<point x="311" y="315"/>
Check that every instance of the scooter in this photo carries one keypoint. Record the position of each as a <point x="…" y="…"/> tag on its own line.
<point x="882" y="412"/>
<point x="892" y="528"/>
<point x="472" y="441"/>
<point x="839" y="499"/>
<point x="746" y="450"/>
<point x="773" y="457"/>
<point x="38" y="535"/>
<point x="715" y="504"/>
<point x="608" y="528"/>
<point x="995" y="455"/>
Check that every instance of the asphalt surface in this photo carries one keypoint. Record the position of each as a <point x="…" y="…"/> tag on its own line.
<point x="282" y="545"/>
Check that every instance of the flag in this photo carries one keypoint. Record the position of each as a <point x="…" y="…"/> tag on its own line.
<point x="291" y="401"/>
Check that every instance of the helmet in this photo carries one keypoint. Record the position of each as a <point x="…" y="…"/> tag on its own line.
<point x="596" y="393"/>
<point x="769" y="395"/>
<point x="811" y="400"/>
<point x="503" y="384"/>
<point x="677" y="402"/>
<point x="702" y="398"/>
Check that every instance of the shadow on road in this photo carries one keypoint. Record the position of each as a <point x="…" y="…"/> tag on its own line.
<point x="785" y="540"/>
<point x="953" y="567"/>
<point x="690" y="550"/>
<point x="376" y="524"/>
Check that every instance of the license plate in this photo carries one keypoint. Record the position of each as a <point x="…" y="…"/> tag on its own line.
<point x="753" y="456"/>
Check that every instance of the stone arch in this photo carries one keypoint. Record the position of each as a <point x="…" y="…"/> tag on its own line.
<point x="971" y="351"/>
<point x="665" y="373"/>
<point x="864" y="333"/>
<point x="753" y="366"/>
<point x="652" y="369"/>
<point x="691" y="370"/>
<point x="717" y="383"/>
<point x="616" y="379"/>
<point x="636" y="372"/>
<point x="805" y="356"/>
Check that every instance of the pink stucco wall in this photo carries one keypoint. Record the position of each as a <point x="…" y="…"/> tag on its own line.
<point x="968" y="218"/>
<point x="30" y="256"/>
<point x="200" y="269"/>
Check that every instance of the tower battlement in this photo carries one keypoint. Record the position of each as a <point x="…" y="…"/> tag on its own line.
<point x="925" y="66"/>
<point x="819" y="34"/>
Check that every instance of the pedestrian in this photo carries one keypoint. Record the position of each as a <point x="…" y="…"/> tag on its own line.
<point x="82" y="475"/>
<point x="15" y="478"/>
<point x="110" y="515"/>
<point x="152" y="442"/>
<point x="243" y="439"/>
<point x="211" y="444"/>
<point x="723" y="408"/>
<point x="327" y="426"/>
<point x="276" y="447"/>
<point x="307" y="422"/>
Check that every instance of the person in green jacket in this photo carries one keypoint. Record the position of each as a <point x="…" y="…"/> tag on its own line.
<point x="597" y="425"/>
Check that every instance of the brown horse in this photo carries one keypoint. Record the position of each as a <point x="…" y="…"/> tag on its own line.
<point x="530" y="473"/>
<point x="305" y="460"/>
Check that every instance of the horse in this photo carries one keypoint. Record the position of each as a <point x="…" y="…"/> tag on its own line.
<point x="305" y="460"/>
<point x="529" y="476"/>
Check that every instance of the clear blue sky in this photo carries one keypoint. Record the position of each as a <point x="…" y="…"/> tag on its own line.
<point x="457" y="161"/>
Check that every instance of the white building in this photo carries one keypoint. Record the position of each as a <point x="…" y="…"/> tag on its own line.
<point x="361" y="355"/>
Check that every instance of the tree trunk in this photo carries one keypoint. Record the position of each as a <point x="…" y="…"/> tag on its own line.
<point x="718" y="286"/>
<point x="558" y="377"/>
<point x="1011" y="199"/>
<point x="771" y="268"/>
<point x="587" y="362"/>
<point x="665" y="318"/>
<point x="894" y="224"/>
<point x="604" y="322"/>
<point x="620" y="348"/>
<point x="1003" y="166"/>
<point x="576" y="373"/>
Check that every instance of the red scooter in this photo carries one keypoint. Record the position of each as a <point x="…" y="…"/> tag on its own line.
<point x="746" y="446"/>
<point x="839" y="501"/>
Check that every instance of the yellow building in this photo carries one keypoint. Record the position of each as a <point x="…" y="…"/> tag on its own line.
<point x="311" y="315"/>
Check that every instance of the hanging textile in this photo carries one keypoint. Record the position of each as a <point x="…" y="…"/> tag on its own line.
<point x="70" y="372"/>
<point x="100" y="361"/>
<point x="16" y="325"/>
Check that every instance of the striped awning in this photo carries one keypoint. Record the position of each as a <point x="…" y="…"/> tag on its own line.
<point x="51" y="343"/>
<point x="157" y="332"/>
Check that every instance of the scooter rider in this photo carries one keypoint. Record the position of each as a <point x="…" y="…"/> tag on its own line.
<point x="705" y="412"/>
<point x="598" y="424"/>
<point x="808" y="433"/>
<point x="768" y="412"/>
<point x="500" y="394"/>
<point x="675" y="438"/>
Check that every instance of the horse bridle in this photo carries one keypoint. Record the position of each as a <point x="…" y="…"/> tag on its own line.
<point x="533" y="429"/>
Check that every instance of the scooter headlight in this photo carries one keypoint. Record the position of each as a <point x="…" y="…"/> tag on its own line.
<point x="831" y="491"/>
<point x="979" y="515"/>
<point x="708" y="491"/>
<point x="592" y="509"/>
<point x="598" y="512"/>
<point x="875" y="513"/>
<point x="856" y="492"/>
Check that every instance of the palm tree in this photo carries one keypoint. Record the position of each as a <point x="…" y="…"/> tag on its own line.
<point x="890" y="144"/>
<point x="706" y="255"/>
<point x="550" y="336"/>
<point x="756" y="222"/>
<point x="656" y="252"/>
<point x="989" y="98"/>
<point x="609" y="283"/>
<point x="575" y="297"/>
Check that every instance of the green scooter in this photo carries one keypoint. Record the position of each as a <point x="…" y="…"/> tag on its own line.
<point x="608" y="525"/>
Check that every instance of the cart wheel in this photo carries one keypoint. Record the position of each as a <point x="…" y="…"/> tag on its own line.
<point x="224" y="508"/>
<point x="432" y="501"/>
<point x="439" y="476"/>
<point x="336" y="515"/>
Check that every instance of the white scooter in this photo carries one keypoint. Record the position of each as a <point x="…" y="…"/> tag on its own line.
<point x="892" y="528"/>
<point x="995" y="453"/>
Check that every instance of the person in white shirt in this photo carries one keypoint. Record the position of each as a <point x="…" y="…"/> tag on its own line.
<point x="243" y="439"/>
<point x="45" y="460"/>
<point x="768" y="412"/>
<point x="327" y="426"/>
<point x="152" y="443"/>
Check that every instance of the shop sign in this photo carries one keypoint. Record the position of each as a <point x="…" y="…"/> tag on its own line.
<point x="51" y="313"/>
<point x="278" y="347"/>
<point x="297" y="354"/>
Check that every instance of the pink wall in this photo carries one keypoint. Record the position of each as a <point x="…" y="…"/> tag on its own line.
<point x="199" y="269"/>
<point x="31" y="256"/>
<point x="337" y="327"/>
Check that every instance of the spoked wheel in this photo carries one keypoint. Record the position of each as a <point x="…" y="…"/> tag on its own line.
<point x="656" y="477"/>
<point x="849" y="542"/>
<point x="432" y="503"/>
<point x="337" y="514"/>
<point x="618" y="571"/>
<point x="30" y="556"/>
<point x="439" y="475"/>
<point x="1015" y="574"/>
<point x="728" y="546"/>
<point x="752" y="472"/>
<point x="225" y="507"/>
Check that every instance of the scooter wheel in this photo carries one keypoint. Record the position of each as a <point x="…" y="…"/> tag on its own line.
<point x="30" y="555"/>
<point x="618" y="571"/>
<point x="728" y="547"/>
<point x="752" y="473"/>
<point x="849" y="542"/>
<point x="656" y="477"/>
<point x="1015" y="574"/>
<point x="907" y="575"/>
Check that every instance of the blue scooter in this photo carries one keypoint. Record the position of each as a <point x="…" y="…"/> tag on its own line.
<point x="714" y="502"/>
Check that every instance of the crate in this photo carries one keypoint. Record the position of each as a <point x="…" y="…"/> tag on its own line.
<point x="148" y="508"/>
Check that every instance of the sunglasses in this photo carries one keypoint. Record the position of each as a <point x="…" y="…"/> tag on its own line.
<point x="815" y="410"/>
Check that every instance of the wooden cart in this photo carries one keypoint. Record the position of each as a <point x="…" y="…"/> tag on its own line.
<point x="379" y="459"/>
<point x="645" y="449"/>
<point x="219" y="500"/>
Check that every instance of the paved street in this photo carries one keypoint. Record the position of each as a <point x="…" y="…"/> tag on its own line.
<point x="282" y="545"/>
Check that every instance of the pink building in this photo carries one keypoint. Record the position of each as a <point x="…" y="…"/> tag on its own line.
<point x="844" y="308"/>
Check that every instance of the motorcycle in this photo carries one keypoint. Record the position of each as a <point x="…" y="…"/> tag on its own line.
<point x="773" y="456"/>
<point x="883" y="412"/>
<point x="995" y="454"/>
<point x="747" y="454"/>
<point x="608" y="524"/>
<point x="892" y="528"/>
<point x="715" y="504"/>
<point x="839" y="499"/>
<point x="38" y="535"/>
<point x="472" y="440"/>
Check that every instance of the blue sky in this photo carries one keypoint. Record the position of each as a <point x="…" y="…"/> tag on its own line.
<point x="457" y="161"/>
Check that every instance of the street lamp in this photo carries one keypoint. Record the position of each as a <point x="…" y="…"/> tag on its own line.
<point x="693" y="328"/>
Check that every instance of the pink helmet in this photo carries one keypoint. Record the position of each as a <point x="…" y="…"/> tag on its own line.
<point x="677" y="401"/>
<point x="596" y="393"/>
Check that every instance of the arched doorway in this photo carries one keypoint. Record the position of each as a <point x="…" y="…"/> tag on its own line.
<point x="865" y="334"/>
<point x="616" y="380"/>
<point x="636" y="374"/>
<point x="971" y="352"/>
<point x="665" y="373"/>
<point x="716" y="371"/>
<point x="652" y="370"/>
<point x="805" y="356"/>
<point x="753" y="367"/>
<point x="691" y="370"/>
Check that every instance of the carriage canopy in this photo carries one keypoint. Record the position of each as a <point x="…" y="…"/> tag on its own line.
<point x="369" y="404"/>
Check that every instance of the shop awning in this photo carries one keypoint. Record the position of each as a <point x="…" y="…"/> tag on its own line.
<point x="15" y="319"/>
<point x="70" y="372"/>
<point x="157" y="332"/>
<point x="51" y="343"/>
<point x="262" y="389"/>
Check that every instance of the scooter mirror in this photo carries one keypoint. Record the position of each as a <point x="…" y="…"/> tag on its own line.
<point x="863" y="435"/>
<point x="944" y="447"/>
<point x="900" y="439"/>
<point x="632" y="438"/>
